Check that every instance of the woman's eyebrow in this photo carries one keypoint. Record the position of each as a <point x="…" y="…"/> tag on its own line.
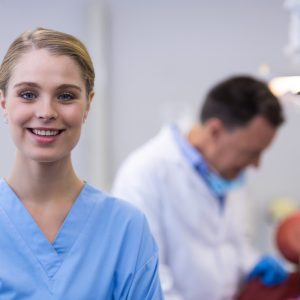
<point x="67" y="85"/>
<point x="28" y="83"/>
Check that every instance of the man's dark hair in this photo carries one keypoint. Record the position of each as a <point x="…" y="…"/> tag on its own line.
<point x="237" y="100"/>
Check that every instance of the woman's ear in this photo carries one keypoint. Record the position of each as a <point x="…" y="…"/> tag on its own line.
<point x="2" y="101"/>
<point x="90" y="99"/>
<point x="3" y="106"/>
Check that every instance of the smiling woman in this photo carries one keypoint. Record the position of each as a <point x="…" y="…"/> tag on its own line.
<point x="46" y="98"/>
<point x="64" y="238"/>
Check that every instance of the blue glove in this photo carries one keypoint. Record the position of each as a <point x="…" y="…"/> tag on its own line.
<point x="269" y="270"/>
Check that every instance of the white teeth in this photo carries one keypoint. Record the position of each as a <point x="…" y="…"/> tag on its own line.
<point x="45" y="132"/>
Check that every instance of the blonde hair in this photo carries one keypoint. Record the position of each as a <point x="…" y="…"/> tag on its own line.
<point x="57" y="43"/>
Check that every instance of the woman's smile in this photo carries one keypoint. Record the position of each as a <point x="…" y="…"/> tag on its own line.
<point x="45" y="135"/>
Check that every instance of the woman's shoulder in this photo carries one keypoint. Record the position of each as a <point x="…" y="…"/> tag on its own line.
<point x="2" y="182"/>
<point x="119" y="216"/>
<point x="108" y="205"/>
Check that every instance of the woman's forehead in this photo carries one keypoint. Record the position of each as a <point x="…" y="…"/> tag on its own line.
<point x="39" y="65"/>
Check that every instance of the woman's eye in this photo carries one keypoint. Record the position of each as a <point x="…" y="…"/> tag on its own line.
<point x="66" y="97"/>
<point x="28" y="95"/>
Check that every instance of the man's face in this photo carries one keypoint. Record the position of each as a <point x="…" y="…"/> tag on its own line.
<point x="234" y="150"/>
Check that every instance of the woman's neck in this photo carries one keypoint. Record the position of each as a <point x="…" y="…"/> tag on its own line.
<point x="43" y="182"/>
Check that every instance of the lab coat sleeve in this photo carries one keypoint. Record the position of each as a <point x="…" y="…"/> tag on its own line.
<point x="140" y="186"/>
<point x="242" y="211"/>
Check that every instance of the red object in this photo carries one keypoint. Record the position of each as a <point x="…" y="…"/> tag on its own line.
<point x="288" y="237"/>
<point x="288" y="242"/>
<point x="256" y="290"/>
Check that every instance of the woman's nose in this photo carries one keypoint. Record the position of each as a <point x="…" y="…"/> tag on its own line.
<point x="46" y="111"/>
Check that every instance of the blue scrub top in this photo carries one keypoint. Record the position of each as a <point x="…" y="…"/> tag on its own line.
<point x="104" y="250"/>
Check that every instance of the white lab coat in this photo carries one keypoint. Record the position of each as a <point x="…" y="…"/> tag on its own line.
<point x="204" y="251"/>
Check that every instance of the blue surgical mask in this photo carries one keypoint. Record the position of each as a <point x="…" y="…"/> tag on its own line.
<point x="222" y="186"/>
<point x="219" y="185"/>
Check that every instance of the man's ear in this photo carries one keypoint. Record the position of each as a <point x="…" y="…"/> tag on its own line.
<point x="215" y="128"/>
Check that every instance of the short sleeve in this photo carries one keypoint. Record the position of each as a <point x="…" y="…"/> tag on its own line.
<point x="138" y="276"/>
<point x="146" y="284"/>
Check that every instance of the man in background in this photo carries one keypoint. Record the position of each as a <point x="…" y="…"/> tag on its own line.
<point x="189" y="185"/>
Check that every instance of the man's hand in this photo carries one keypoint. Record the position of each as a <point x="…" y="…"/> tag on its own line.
<point x="269" y="270"/>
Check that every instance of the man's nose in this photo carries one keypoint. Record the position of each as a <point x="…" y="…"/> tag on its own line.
<point x="256" y="162"/>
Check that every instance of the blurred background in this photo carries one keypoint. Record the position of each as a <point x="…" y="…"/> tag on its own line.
<point x="154" y="61"/>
